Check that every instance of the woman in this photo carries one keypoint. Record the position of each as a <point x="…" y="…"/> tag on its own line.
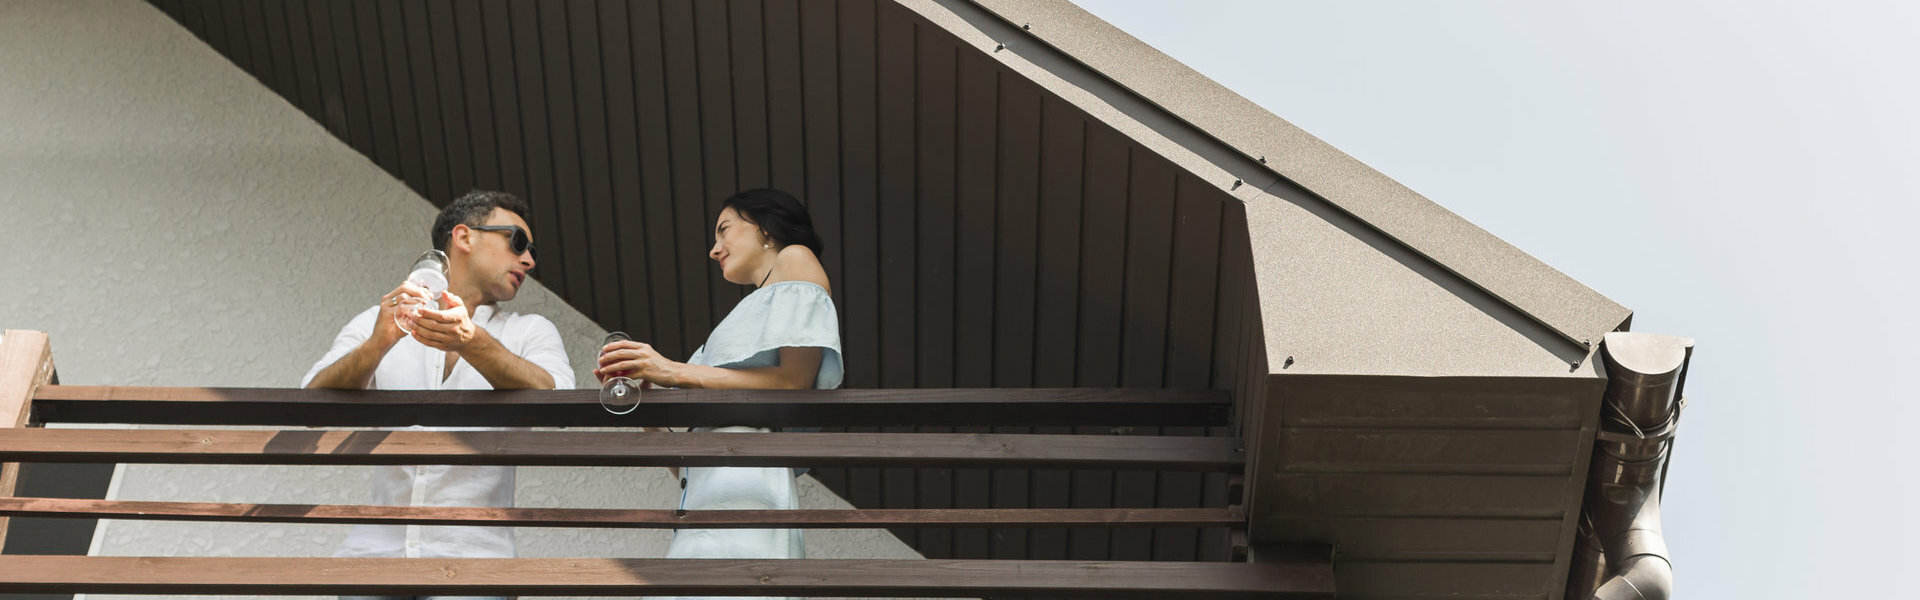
<point x="784" y="335"/>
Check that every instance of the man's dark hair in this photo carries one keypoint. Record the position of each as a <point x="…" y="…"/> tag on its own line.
<point x="778" y="213"/>
<point x="471" y="209"/>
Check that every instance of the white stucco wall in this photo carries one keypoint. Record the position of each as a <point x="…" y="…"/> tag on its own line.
<point x="170" y="221"/>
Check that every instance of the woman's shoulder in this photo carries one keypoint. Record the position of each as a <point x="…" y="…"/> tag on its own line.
<point x="798" y="263"/>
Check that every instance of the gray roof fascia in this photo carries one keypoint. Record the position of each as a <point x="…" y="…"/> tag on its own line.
<point x="1571" y="309"/>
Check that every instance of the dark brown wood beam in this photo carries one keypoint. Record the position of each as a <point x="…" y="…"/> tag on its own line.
<point x="621" y="518"/>
<point x="661" y="408"/>
<point x="665" y="577"/>
<point x="628" y="449"/>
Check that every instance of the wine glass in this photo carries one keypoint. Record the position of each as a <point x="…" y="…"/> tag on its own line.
<point x="429" y="272"/>
<point x="618" y="394"/>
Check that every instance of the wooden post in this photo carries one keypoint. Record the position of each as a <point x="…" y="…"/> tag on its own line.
<point x="26" y="363"/>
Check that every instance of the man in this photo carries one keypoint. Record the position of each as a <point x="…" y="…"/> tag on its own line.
<point x="469" y="344"/>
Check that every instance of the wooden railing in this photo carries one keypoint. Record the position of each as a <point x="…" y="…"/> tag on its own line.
<point x="30" y="400"/>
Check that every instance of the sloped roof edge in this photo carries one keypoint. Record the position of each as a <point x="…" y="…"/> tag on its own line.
<point x="1569" y="308"/>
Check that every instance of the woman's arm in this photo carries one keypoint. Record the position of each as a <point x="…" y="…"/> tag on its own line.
<point x="797" y="370"/>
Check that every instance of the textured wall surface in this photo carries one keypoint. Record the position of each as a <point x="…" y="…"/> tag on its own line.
<point x="170" y="221"/>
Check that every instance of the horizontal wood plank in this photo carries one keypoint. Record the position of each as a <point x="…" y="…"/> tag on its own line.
<point x="663" y="577"/>
<point x="617" y="518"/>
<point x="659" y="408"/>
<point x="630" y="449"/>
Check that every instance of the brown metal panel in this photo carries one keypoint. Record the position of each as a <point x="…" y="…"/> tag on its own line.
<point x="1057" y="289"/>
<point x="503" y="85"/>
<point x="898" y="201"/>
<point x="1015" y="267"/>
<point x="654" y="201"/>
<point x="1405" y="495"/>
<point x="820" y="51"/>
<point x="260" y="49"/>
<point x="664" y="577"/>
<point x="400" y="84"/>
<point x="859" y="131"/>
<point x="625" y="266"/>
<point x="191" y="17"/>
<point x="383" y="133"/>
<point x="936" y="99"/>
<point x="820" y="111"/>
<point x="1430" y="402"/>
<point x="529" y="75"/>
<point x="1396" y="580"/>
<point x="353" y="82"/>
<point x="1190" y="331"/>
<point x="715" y="65"/>
<point x="1429" y="451"/>
<point x="1017" y="231"/>
<point x="747" y="22"/>
<point x="233" y="21"/>
<point x="976" y="139"/>
<point x="574" y="254"/>
<point x="279" y="44"/>
<point x="209" y="24"/>
<point x="172" y="8"/>
<point x="1439" y="539"/>
<point x="1149" y="242"/>
<point x="596" y="200"/>
<point x="895" y="111"/>
<point x="332" y="107"/>
<point x="935" y="96"/>
<point x="1102" y="274"/>
<point x="482" y="146"/>
<point x="692" y="222"/>
<point x="306" y="63"/>
<point x="786" y="135"/>
<point x="427" y="123"/>
<point x="441" y="29"/>
<point x="1103" y="257"/>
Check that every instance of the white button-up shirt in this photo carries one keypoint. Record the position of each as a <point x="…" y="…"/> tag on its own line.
<point x="409" y="365"/>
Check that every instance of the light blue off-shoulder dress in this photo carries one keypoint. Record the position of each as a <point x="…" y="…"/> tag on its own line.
<point x="789" y="314"/>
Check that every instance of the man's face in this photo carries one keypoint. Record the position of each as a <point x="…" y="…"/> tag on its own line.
<point x="496" y="270"/>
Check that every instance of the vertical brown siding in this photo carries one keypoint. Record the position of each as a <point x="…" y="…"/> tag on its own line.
<point x="980" y="231"/>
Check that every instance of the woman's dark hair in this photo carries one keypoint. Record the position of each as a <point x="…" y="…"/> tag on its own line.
<point x="784" y="218"/>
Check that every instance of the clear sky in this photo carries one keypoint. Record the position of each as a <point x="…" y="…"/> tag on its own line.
<point x="1742" y="172"/>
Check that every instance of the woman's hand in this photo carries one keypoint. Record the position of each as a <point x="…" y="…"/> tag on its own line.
<point x="636" y="360"/>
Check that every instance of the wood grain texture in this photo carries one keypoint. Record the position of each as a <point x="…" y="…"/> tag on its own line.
<point x="697" y="577"/>
<point x="607" y="448"/>
<point x="678" y="408"/>
<point x="612" y="518"/>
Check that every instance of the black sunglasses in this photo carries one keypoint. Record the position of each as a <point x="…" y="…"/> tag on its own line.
<point x="517" y="239"/>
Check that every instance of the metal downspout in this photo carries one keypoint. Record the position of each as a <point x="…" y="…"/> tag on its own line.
<point x="1621" y="553"/>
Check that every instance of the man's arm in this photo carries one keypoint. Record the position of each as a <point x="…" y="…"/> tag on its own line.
<point x="502" y="368"/>
<point x="544" y="366"/>
<point x="354" y="369"/>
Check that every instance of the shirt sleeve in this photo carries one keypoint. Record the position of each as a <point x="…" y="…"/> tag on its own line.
<point x="544" y="349"/>
<point x="354" y="333"/>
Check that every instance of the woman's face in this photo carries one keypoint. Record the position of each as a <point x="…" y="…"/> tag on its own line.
<point x="740" y="249"/>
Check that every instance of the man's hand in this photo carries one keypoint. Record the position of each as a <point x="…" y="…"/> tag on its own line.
<point x="385" y="332"/>
<point x="450" y="329"/>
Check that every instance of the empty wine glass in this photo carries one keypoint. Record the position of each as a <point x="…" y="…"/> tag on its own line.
<point x="618" y="394"/>
<point x="429" y="272"/>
